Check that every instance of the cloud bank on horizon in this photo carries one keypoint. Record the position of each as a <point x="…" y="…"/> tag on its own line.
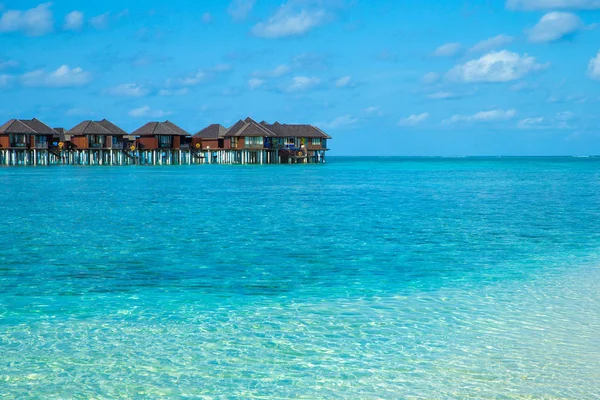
<point x="519" y="77"/>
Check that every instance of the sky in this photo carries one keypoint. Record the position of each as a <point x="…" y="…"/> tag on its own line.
<point x="406" y="78"/>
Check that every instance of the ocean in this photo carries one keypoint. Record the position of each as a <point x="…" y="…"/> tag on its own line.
<point x="363" y="278"/>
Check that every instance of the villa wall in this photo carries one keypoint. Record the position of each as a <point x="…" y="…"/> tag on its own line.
<point x="80" y="142"/>
<point x="148" y="142"/>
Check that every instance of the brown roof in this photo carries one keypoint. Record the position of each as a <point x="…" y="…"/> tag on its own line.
<point x="296" y="130"/>
<point x="112" y="128"/>
<point x="177" y="129"/>
<point x="88" y="128"/>
<point x="160" y="128"/>
<point x="39" y="127"/>
<point x="214" y="131"/>
<point x="15" y="126"/>
<point x="249" y="127"/>
<point x="27" y="126"/>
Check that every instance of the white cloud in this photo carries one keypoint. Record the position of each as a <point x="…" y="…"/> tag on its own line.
<point x="276" y="72"/>
<point x="579" y="99"/>
<point x="344" y="121"/>
<point x="301" y="83"/>
<point x="594" y="67"/>
<point x="239" y="9"/>
<point x="491" y="44"/>
<point x="122" y="14"/>
<point x="8" y="64"/>
<point x="345" y="82"/>
<point x="64" y="76"/>
<point x="372" y="110"/>
<point x="291" y="20"/>
<point x="128" y="90"/>
<point x="431" y="77"/>
<point x="170" y="92"/>
<point x="414" y="119"/>
<point x="565" y="116"/>
<point x="100" y="21"/>
<point x="6" y="81"/>
<point x="200" y="76"/>
<point x="36" y="21"/>
<point x="73" y="21"/>
<point x="193" y="80"/>
<point x="561" y="120"/>
<point x="554" y="26"/>
<point x="146" y="111"/>
<point x="501" y="66"/>
<point x="448" y="50"/>
<point x="484" y="116"/>
<point x="207" y="18"/>
<point x="531" y="123"/>
<point x="553" y="4"/>
<point x="523" y="87"/>
<point x="444" y="95"/>
<point x="255" y="83"/>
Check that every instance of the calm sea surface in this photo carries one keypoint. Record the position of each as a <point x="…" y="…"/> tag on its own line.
<point x="358" y="279"/>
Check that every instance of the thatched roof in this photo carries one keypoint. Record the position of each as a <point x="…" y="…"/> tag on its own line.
<point x="88" y="128"/>
<point x="26" y="126"/>
<point x="166" y="128"/>
<point x="112" y="128"/>
<point x="214" y="131"/>
<point x="248" y="127"/>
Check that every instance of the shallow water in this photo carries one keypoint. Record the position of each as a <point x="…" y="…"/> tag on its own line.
<point x="361" y="278"/>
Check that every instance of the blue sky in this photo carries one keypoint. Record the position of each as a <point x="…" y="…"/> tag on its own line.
<point x="449" y="78"/>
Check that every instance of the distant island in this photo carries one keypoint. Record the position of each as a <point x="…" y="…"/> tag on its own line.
<point x="32" y="142"/>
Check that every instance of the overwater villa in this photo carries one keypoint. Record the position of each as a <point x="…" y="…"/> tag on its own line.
<point x="31" y="142"/>
<point x="26" y="142"/>
<point x="95" y="142"/>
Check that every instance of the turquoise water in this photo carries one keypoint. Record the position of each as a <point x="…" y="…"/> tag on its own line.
<point x="358" y="279"/>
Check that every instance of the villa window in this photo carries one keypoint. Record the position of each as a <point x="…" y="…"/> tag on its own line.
<point x="290" y="140"/>
<point x="234" y="142"/>
<point x="96" y="140"/>
<point x="254" y="141"/>
<point x="315" y="141"/>
<point x="164" y="141"/>
<point x="18" y="140"/>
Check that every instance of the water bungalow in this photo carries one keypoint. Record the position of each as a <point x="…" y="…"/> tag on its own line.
<point x="31" y="142"/>
<point x="250" y="143"/>
<point x="27" y="142"/>
<point x="95" y="143"/>
<point x="299" y="143"/>
<point x="163" y="143"/>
